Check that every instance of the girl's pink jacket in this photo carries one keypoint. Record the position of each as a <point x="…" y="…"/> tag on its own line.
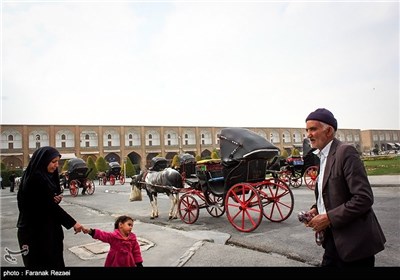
<point x="124" y="252"/>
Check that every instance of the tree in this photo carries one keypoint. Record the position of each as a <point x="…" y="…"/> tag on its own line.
<point x="92" y="166"/>
<point x="295" y="152"/>
<point x="175" y="161"/>
<point x="284" y="153"/>
<point x="101" y="165"/>
<point x="3" y="167"/>
<point x="214" y="154"/>
<point x="130" y="168"/>
<point x="65" y="166"/>
<point x="198" y="157"/>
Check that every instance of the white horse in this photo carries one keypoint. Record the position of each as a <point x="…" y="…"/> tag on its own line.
<point x="17" y="182"/>
<point x="167" y="181"/>
<point x="101" y="176"/>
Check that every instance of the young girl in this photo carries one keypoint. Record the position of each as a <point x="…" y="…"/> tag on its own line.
<point x="124" y="246"/>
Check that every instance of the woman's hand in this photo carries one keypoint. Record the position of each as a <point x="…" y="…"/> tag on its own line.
<point x="58" y="198"/>
<point x="78" y="228"/>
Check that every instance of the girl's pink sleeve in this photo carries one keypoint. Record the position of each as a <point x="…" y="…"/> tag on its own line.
<point x="137" y="254"/>
<point x="102" y="235"/>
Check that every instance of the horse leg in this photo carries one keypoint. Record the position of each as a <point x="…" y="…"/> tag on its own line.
<point x="176" y="200"/>
<point x="173" y="211"/>
<point x="154" y="206"/>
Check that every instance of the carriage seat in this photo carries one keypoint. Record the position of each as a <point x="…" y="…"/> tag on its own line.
<point x="217" y="185"/>
<point x="193" y="182"/>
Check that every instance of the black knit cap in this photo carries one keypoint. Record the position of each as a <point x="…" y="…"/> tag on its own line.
<point x="323" y="115"/>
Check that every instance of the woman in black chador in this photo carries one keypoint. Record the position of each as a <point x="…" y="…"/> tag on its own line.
<point x="41" y="218"/>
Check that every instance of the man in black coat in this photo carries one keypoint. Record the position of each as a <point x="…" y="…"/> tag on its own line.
<point x="343" y="208"/>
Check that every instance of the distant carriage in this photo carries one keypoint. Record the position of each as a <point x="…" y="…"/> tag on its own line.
<point x="298" y="168"/>
<point x="237" y="184"/>
<point x="113" y="174"/>
<point x="76" y="177"/>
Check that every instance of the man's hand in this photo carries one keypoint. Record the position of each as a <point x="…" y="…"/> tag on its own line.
<point x="319" y="222"/>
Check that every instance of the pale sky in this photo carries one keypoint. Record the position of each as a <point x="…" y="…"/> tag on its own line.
<point x="200" y="63"/>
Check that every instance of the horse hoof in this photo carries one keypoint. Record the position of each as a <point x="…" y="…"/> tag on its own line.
<point x="151" y="218"/>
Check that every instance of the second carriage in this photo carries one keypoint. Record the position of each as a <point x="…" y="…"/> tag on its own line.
<point x="77" y="177"/>
<point x="113" y="174"/>
<point x="238" y="184"/>
<point x="297" y="169"/>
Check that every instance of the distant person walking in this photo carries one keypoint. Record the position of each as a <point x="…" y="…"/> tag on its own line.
<point x="41" y="217"/>
<point x="343" y="208"/>
<point x="12" y="181"/>
<point x="124" y="247"/>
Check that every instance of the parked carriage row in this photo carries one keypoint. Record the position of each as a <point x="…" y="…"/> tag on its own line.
<point x="77" y="177"/>
<point x="241" y="184"/>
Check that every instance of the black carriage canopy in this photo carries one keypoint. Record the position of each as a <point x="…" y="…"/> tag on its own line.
<point x="114" y="164"/>
<point x="186" y="158"/>
<point x="241" y="143"/>
<point x="158" y="163"/>
<point x="114" y="168"/>
<point x="76" y="164"/>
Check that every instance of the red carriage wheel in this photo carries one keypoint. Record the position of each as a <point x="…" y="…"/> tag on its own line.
<point x="73" y="187"/>
<point x="243" y="207"/>
<point x="121" y="179"/>
<point x="112" y="180"/>
<point x="188" y="209"/>
<point x="89" y="186"/>
<point x="310" y="176"/>
<point x="104" y="180"/>
<point x="295" y="179"/>
<point x="277" y="200"/>
<point x="216" y="209"/>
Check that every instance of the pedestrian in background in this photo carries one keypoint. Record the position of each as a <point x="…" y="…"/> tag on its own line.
<point x="41" y="217"/>
<point x="124" y="247"/>
<point x="12" y="181"/>
<point x="343" y="209"/>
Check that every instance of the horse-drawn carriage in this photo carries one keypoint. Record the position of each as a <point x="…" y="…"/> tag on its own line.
<point x="297" y="168"/>
<point x="237" y="184"/>
<point x="187" y="168"/>
<point x="77" y="177"/>
<point x="113" y="173"/>
<point x="206" y="191"/>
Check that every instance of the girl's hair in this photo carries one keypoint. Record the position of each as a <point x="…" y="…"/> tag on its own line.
<point x="122" y="219"/>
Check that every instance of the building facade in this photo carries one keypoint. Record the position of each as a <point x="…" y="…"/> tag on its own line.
<point x="142" y="143"/>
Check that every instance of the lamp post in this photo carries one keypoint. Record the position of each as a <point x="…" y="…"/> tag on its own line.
<point x="180" y="144"/>
<point x="125" y="159"/>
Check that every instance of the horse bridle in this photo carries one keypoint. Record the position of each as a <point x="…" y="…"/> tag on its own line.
<point x="143" y="181"/>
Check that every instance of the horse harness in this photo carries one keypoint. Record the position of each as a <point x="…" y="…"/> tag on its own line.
<point x="170" y="188"/>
